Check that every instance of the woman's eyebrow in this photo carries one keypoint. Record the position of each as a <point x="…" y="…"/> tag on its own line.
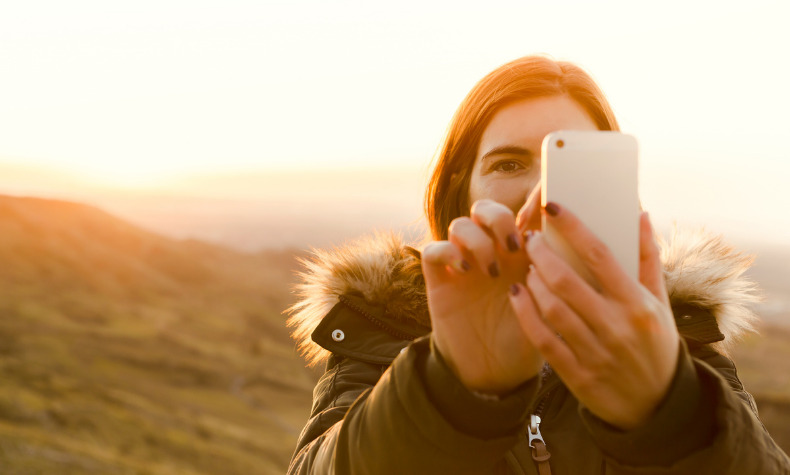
<point x="508" y="149"/>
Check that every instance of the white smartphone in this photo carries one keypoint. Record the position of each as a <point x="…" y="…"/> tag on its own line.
<point x="594" y="175"/>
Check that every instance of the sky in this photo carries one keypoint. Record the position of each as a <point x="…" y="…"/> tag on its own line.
<point x="319" y="119"/>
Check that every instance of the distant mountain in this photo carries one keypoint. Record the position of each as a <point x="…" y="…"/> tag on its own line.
<point x="122" y="351"/>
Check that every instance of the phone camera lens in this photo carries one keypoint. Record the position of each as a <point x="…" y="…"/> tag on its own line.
<point x="560" y="143"/>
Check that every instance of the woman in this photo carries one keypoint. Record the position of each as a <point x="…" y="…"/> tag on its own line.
<point x="435" y="360"/>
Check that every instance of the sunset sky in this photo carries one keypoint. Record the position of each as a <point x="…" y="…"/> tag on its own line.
<point x="317" y="107"/>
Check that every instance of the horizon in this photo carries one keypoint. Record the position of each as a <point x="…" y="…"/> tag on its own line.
<point x="238" y="215"/>
<point x="769" y="269"/>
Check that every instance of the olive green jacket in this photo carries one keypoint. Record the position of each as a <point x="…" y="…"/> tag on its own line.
<point x="388" y="404"/>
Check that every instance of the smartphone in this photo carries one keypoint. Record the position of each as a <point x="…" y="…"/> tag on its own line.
<point x="594" y="175"/>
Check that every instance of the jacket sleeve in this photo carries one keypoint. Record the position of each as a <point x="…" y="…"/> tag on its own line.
<point x="707" y="424"/>
<point x="361" y="423"/>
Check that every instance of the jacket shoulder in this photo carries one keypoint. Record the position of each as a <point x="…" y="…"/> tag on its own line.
<point x="364" y="332"/>
<point x="709" y="293"/>
<point x="373" y="285"/>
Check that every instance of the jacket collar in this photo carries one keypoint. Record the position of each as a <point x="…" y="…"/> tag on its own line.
<point x="708" y="292"/>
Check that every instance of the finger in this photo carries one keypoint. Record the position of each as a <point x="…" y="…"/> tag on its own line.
<point x="468" y="236"/>
<point x="528" y="217"/>
<point x="564" y="282"/>
<point x="578" y="336"/>
<point x="651" y="270"/>
<point x="542" y="337"/>
<point x="596" y="255"/>
<point x="498" y="219"/>
<point x="438" y="256"/>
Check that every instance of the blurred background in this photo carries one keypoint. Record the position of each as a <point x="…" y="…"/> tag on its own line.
<point x="162" y="164"/>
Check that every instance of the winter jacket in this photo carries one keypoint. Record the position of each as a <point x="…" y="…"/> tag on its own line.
<point x="388" y="404"/>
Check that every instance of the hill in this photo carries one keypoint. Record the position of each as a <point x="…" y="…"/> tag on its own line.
<point x="122" y="351"/>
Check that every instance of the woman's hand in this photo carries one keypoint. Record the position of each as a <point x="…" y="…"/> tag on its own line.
<point x="617" y="348"/>
<point x="467" y="280"/>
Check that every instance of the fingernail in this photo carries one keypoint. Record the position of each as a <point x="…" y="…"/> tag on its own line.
<point x="461" y="265"/>
<point x="493" y="269"/>
<point x="512" y="242"/>
<point x="528" y="236"/>
<point x="513" y="289"/>
<point x="552" y="208"/>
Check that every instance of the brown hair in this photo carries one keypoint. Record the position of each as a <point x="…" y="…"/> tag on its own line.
<point x="447" y="196"/>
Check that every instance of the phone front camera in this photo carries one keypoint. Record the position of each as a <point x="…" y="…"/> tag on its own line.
<point x="560" y="143"/>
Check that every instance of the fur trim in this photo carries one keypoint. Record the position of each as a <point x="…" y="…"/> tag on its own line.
<point x="379" y="268"/>
<point x="700" y="270"/>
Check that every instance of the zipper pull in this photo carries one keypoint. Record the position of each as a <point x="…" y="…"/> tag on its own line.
<point x="540" y="455"/>
<point x="534" y="430"/>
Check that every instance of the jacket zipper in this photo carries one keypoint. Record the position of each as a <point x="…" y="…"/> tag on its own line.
<point x="540" y="454"/>
<point x="533" y="433"/>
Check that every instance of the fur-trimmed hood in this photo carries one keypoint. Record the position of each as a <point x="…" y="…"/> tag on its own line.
<point x="701" y="272"/>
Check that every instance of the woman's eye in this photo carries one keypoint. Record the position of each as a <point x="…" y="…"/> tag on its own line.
<point x="508" y="166"/>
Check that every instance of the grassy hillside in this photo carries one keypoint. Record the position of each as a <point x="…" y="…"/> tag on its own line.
<point x="763" y="362"/>
<point x="125" y="352"/>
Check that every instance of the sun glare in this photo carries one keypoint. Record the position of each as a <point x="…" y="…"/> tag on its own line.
<point x="108" y="98"/>
<point x="129" y="176"/>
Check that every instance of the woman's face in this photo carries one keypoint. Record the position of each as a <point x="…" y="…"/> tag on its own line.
<point x="507" y="165"/>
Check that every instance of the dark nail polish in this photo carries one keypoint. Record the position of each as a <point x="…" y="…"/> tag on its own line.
<point x="493" y="269"/>
<point x="513" y="289"/>
<point x="512" y="242"/>
<point x="552" y="208"/>
<point x="465" y="265"/>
